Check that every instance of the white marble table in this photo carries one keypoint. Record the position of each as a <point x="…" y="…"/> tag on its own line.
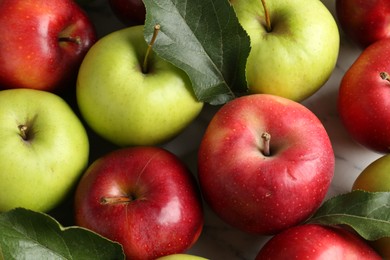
<point x="218" y="240"/>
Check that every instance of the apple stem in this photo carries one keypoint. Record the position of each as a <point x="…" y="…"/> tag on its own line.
<point x="115" y="200"/>
<point x="76" y="40"/>
<point x="385" y="76"/>
<point x="267" y="17"/>
<point x="266" y="144"/>
<point x="23" y="131"/>
<point x="150" y="46"/>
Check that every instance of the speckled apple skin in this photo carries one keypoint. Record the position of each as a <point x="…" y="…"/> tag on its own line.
<point x="165" y="214"/>
<point x="258" y="193"/>
<point x="317" y="242"/>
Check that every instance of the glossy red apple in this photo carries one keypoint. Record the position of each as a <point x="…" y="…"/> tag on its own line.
<point x="43" y="43"/>
<point x="316" y="242"/>
<point x="129" y="12"/>
<point x="364" y="98"/>
<point x="264" y="185"/>
<point x="142" y="197"/>
<point x="365" y="22"/>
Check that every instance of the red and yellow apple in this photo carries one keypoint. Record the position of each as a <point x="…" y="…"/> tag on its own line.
<point x="364" y="98"/>
<point x="43" y="43"/>
<point x="265" y="163"/>
<point x="376" y="178"/>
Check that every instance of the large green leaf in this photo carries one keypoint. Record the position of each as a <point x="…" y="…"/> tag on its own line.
<point x="368" y="213"/>
<point x="204" y="39"/>
<point x="26" y="234"/>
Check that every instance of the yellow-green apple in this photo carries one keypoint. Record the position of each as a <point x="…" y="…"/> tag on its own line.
<point x="142" y="197"/>
<point x="376" y="177"/>
<point x="44" y="149"/>
<point x="265" y="163"/>
<point x="318" y="242"/>
<point x="363" y="101"/>
<point x="181" y="257"/>
<point x="364" y="22"/>
<point x="43" y="43"/>
<point x="129" y="12"/>
<point x="128" y="103"/>
<point x="294" y="53"/>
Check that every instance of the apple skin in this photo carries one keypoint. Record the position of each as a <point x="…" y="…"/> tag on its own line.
<point x="363" y="99"/>
<point x="129" y="12"/>
<point x="316" y="242"/>
<point x="34" y="53"/>
<point x="261" y="193"/>
<point x="181" y="257"/>
<point x="39" y="171"/>
<point x="376" y="178"/>
<point x="297" y="57"/>
<point x="162" y="213"/>
<point x="126" y="106"/>
<point x="364" y="22"/>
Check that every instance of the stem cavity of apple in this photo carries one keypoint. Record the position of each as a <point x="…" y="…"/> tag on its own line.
<point x="266" y="143"/>
<point x="23" y="131"/>
<point x="267" y="17"/>
<point x="150" y="46"/>
<point x="385" y="76"/>
<point x="115" y="200"/>
<point x="76" y="40"/>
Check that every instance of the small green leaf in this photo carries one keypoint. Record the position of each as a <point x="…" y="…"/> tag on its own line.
<point x="26" y="234"/>
<point x="368" y="213"/>
<point x="204" y="39"/>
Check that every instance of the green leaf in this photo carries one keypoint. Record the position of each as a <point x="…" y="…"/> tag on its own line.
<point x="26" y="234"/>
<point x="368" y="213"/>
<point x="204" y="39"/>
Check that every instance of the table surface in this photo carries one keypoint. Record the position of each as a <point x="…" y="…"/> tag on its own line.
<point x="218" y="240"/>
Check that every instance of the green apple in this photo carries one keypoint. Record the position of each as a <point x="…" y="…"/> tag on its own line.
<point x="44" y="149"/>
<point x="181" y="257"/>
<point x="295" y="55"/>
<point x="376" y="177"/>
<point x="127" y="104"/>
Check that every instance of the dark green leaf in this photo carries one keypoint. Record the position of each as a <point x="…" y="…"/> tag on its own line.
<point x="368" y="213"/>
<point x="204" y="39"/>
<point x="25" y="234"/>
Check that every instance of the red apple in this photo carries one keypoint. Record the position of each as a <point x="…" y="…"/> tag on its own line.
<point x="43" y="43"/>
<point x="364" y="98"/>
<point x="317" y="242"/>
<point x="260" y="185"/>
<point x="365" y="22"/>
<point x="129" y="12"/>
<point x="142" y="197"/>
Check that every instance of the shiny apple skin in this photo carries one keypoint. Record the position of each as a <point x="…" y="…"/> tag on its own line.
<point x="165" y="215"/>
<point x="317" y="242"/>
<point x="129" y="12"/>
<point x="364" y="98"/>
<point x="32" y="54"/>
<point x="365" y="22"/>
<point x="254" y="192"/>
